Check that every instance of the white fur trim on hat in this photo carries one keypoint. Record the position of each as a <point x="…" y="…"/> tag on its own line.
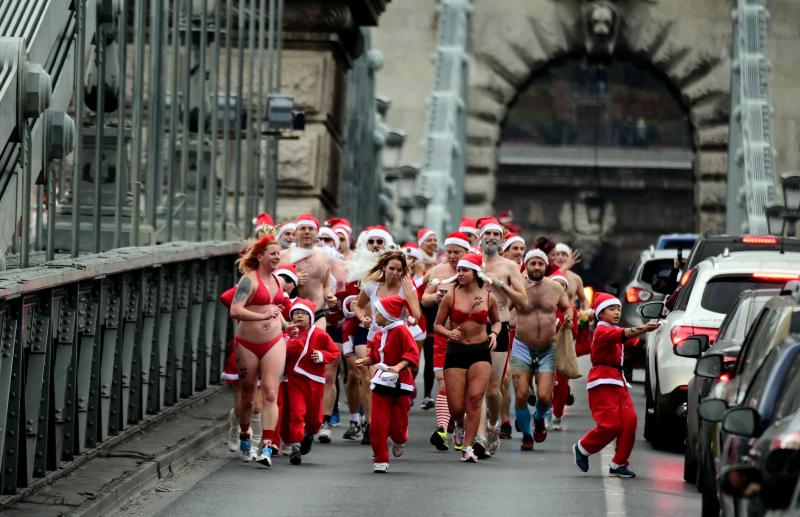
<point x="303" y="307"/>
<point x="562" y="248"/>
<point x="325" y="231"/>
<point x="468" y="264"/>
<point x="414" y="252"/>
<point x="306" y="222"/>
<point x="468" y="229"/>
<point x="606" y="304"/>
<point x="380" y="233"/>
<point x="289" y="273"/>
<point x="425" y="237"/>
<point x="348" y="313"/>
<point x="560" y="277"/>
<point x="512" y="240"/>
<point x="342" y="232"/>
<point x="457" y="242"/>
<point x="536" y="252"/>
<point x="286" y="227"/>
<point x="491" y="226"/>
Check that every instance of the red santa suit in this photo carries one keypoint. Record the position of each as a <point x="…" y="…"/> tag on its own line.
<point x="609" y="399"/>
<point x="306" y="377"/>
<point x="391" y="398"/>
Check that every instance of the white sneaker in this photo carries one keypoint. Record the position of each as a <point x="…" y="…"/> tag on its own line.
<point x="324" y="435"/>
<point x="398" y="449"/>
<point x="468" y="455"/>
<point x="285" y="449"/>
<point x="380" y="468"/>
<point x="555" y="425"/>
<point x="492" y="438"/>
<point x="233" y="438"/>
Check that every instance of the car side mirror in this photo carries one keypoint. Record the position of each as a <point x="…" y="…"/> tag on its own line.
<point x="712" y="410"/>
<point x="740" y="480"/>
<point x="741" y="421"/>
<point x="691" y="347"/>
<point x="652" y="310"/>
<point x="709" y="366"/>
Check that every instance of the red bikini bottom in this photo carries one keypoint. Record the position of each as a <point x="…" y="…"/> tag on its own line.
<point x="260" y="349"/>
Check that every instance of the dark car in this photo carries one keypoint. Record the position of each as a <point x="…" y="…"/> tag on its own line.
<point x="779" y="317"/>
<point x="771" y="401"/>
<point x="729" y="341"/>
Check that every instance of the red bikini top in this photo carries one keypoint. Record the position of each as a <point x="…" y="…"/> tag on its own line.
<point x="261" y="296"/>
<point x="457" y="316"/>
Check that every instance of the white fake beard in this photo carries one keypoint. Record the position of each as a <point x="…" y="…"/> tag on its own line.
<point x="296" y="254"/>
<point x="360" y="263"/>
<point x="330" y="252"/>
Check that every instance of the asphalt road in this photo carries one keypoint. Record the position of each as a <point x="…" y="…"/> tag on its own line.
<point x="337" y="479"/>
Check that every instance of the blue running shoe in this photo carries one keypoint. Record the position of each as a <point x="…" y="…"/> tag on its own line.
<point x="335" y="419"/>
<point x="621" y="472"/>
<point x="581" y="460"/>
<point x="265" y="458"/>
<point x="244" y="448"/>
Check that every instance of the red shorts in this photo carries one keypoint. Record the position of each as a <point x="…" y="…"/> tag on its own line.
<point x="439" y="352"/>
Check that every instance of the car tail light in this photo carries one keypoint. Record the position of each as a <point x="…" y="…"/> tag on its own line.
<point x="759" y="239"/>
<point x="776" y="277"/>
<point x="637" y="294"/>
<point x="686" y="276"/>
<point x="681" y="332"/>
<point x="589" y="292"/>
<point x="725" y="377"/>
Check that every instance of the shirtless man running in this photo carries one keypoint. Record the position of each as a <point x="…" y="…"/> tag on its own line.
<point x="561" y="256"/>
<point x="533" y="351"/>
<point x="313" y="267"/>
<point x="507" y="287"/>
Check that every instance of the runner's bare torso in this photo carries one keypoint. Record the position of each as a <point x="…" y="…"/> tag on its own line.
<point x="536" y="320"/>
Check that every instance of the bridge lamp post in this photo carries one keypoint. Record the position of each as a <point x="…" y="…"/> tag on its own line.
<point x="788" y="214"/>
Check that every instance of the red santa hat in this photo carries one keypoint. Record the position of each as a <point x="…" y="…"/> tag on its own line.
<point x="333" y="222"/>
<point x="505" y="217"/>
<point x="511" y="238"/>
<point x="472" y="261"/>
<point x="562" y="248"/>
<point x="489" y="223"/>
<point x="391" y="307"/>
<point x="379" y="232"/>
<point x="289" y="271"/>
<point x="468" y="225"/>
<point x="307" y="220"/>
<point x="457" y="239"/>
<point x="473" y="249"/>
<point x="412" y="250"/>
<point x="536" y="253"/>
<point x="423" y="234"/>
<point x="301" y="304"/>
<point x="328" y="232"/>
<point x="559" y="276"/>
<point x="345" y="232"/>
<point x="604" y="301"/>
<point x="285" y="227"/>
<point x="263" y="219"/>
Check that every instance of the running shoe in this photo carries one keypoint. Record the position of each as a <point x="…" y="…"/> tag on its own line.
<point x="548" y="418"/>
<point x="244" y="447"/>
<point x="492" y="438"/>
<point x="439" y="439"/>
<point x="555" y="424"/>
<point x="324" y="435"/>
<point x="581" y="460"/>
<point x="480" y="449"/>
<point x="428" y="403"/>
<point x="380" y="468"/>
<point x="335" y="418"/>
<point x="468" y="455"/>
<point x="398" y="449"/>
<point x="458" y="438"/>
<point x="255" y="451"/>
<point x="353" y="432"/>
<point x="527" y="443"/>
<point x="305" y="445"/>
<point x="505" y="430"/>
<point x="621" y="472"/>
<point x="365" y="435"/>
<point x="265" y="458"/>
<point x="539" y="431"/>
<point x="296" y="457"/>
<point x="284" y="450"/>
<point x="233" y="438"/>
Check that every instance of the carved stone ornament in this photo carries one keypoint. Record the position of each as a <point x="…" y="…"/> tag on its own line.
<point x="318" y="16"/>
<point x="601" y="23"/>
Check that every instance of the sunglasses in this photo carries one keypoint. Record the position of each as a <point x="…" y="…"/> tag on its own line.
<point x="326" y="239"/>
<point x="375" y="241"/>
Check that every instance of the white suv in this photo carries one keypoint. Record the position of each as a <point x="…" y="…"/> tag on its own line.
<point x="708" y="293"/>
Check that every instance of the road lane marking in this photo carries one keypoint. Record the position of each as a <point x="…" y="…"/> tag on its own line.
<point x="612" y="487"/>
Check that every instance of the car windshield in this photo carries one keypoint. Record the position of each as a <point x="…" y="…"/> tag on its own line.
<point x="720" y="293"/>
<point x="737" y="322"/>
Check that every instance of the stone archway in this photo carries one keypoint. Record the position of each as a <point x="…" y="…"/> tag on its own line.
<point x="509" y="46"/>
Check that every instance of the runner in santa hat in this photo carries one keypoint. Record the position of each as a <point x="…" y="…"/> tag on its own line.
<point x="263" y="224"/>
<point x="513" y="247"/>
<point x="428" y="242"/>
<point x="609" y="399"/>
<point x="313" y="267"/>
<point x="440" y="282"/>
<point x="390" y="276"/>
<point x="469" y="227"/>
<point x="508" y="287"/>
<point x="345" y="234"/>
<point x="563" y="258"/>
<point x="393" y="352"/>
<point x="415" y="258"/>
<point x="463" y="317"/>
<point x="306" y="357"/>
<point x="285" y="235"/>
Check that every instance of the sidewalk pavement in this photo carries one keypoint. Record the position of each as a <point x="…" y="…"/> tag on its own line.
<point x="134" y="463"/>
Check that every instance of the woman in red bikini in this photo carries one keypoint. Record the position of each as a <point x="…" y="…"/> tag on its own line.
<point x="259" y="346"/>
<point x="468" y="363"/>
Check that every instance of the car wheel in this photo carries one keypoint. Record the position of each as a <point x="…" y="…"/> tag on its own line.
<point x="710" y="504"/>
<point x="648" y="407"/>
<point x="665" y="435"/>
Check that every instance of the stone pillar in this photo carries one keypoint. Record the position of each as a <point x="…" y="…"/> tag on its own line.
<point x="321" y="39"/>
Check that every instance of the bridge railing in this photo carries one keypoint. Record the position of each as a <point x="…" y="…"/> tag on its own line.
<point x="92" y="345"/>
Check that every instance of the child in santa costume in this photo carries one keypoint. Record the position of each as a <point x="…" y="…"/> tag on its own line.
<point x="393" y="352"/>
<point x="609" y="399"/>
<point x="306" y="357"/>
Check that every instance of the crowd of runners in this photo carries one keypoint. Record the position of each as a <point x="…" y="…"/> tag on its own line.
<point x="327" y="318"/>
